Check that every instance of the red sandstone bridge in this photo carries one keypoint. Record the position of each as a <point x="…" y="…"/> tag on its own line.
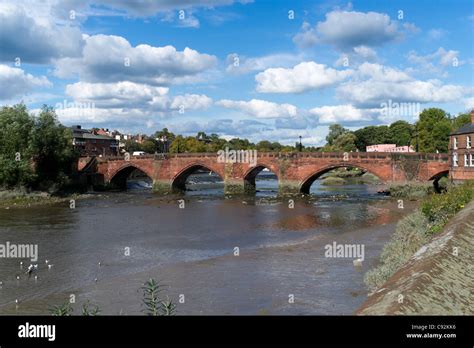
<point x="295" y="171"/>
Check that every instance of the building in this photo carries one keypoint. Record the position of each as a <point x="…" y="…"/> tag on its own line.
<point x="388" y="148"/>
<point x="89" y="143"/>
<point x="461" y="163"/>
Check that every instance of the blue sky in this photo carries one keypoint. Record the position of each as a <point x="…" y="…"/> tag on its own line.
<point x="251" y="69"/>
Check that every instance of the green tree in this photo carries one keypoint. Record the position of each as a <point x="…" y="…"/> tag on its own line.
<point x="345" y="142"/>
<point x="433" y="130"/>
<point x="365" y="136"/>
<point x="335" y="130"/>
<point x="460" y="120"/>
<point x="150" y="146"/>
<point x="401" y="133"/>
<point x="51" y="144"/>
<point x="131" y="146"/>
<point x="16" y="126"/>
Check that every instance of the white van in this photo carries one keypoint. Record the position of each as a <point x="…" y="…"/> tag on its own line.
<point x="138" y="153"/>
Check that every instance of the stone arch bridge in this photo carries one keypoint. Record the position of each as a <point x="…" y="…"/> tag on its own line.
<point x="295" y="171"/>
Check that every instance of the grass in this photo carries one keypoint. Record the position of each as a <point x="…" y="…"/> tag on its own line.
<point x="411" y="190"/>
<point x="415" y="230"/>
<point x="333" y="181"/>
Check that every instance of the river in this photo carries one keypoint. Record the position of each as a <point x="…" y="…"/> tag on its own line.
<point x="223" y="255"/>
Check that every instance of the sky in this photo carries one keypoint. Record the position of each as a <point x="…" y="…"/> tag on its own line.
<point x="261" y="69"/>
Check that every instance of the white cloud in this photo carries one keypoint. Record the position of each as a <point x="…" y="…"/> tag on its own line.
<point x="469" y="103"/>
<point x="16" y="83"/>
<point x="191" y="101"/>
<point x="373" y="84"/>
<point x="302" y="77"/>
<point x="241" y="65"/>
<point x="440" y="56"/>
<point x="348" y="29"/>
<point x="148" y="8"/>
<point x="120" y="94"/>
<point x="260" y="108"/>
<point x="31" y="34"/>
<point x="102" y="102"/>
<point x="109" y="58"/>
<point x="340" y="113"/>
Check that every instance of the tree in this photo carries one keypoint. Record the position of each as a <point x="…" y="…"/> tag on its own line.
<point x="150" y="146"/>
<point x="365" y="136"/>
<point x="433" y="129"/>
<point x="131" y="146"/>
<point x="178" y="145"/>
<point x="345" y="142"/>
<point x="401" y="133"/>
<point x="335" y="130"/>
<point x="460" y="120"/>
<point x="15" y="151"/>
<point x="53" y="153"/>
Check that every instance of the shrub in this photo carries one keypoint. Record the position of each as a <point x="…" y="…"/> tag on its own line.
<point x="438" y="209"/>
<point x="410" y="235"/>
<point x="154" y="304"/>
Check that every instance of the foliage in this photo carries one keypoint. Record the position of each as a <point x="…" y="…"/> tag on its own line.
<point x="62" y="310"/>
<point x="33" y="150"/>
<point x="335" y="130"/>
<point x="433" y="129"/>
<point x="51" y="148"/>
<point x="89" y="309"/>
<point x="409" y="236"/>
<point x="438" y="209"/>
<point x="154" y="304"/>
<point x="414" y="230"/>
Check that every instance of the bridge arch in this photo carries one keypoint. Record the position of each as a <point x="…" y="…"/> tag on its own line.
<point x="178" y="182"/>
<point x="119" y="177"/>
<point x="308" y="181"/>
<point x="251" y="175"/>
<point x="435" y="178"/>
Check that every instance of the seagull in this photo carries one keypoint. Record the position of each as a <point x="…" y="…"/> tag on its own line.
<point x="30" y="269"/>
<point x="16" y="301"/>
<point x="17" y="277"/>
<point x="49" y="266"/>
<point x="46" y="261"/>
<point x="100" y="264"/>
<point x="21" y="263"/>
<point x="36" y="277"/>
<point x="95" y="280"/>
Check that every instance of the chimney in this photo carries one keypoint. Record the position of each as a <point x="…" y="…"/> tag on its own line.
<point x="472" y="116"/>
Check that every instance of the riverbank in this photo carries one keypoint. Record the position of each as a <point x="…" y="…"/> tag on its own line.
<point x="342" y="176"/>
<point x="22" y="198"/>
<point x="427" y="266"/>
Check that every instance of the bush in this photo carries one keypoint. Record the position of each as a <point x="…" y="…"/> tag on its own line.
<point x="410" y="235"/>
<point x="413" y="190"/>
<point x="438" y="209"/>
<point x="333" y="181"/>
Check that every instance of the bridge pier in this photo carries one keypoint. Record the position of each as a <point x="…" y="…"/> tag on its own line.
<point x="234" y="186"/>
<point x="162" y="187"/>
<point x="288" y="187"/>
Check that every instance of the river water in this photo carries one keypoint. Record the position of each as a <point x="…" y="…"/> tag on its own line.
<point x="221" y="255"/>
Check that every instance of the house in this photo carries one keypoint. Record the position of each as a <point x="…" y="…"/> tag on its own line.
<point x="388" y="148"/>
<point x="89" y="143"/>
<point x="461" y="162"/>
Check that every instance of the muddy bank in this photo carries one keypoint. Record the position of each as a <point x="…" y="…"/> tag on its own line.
<point x="437" y="280"/>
